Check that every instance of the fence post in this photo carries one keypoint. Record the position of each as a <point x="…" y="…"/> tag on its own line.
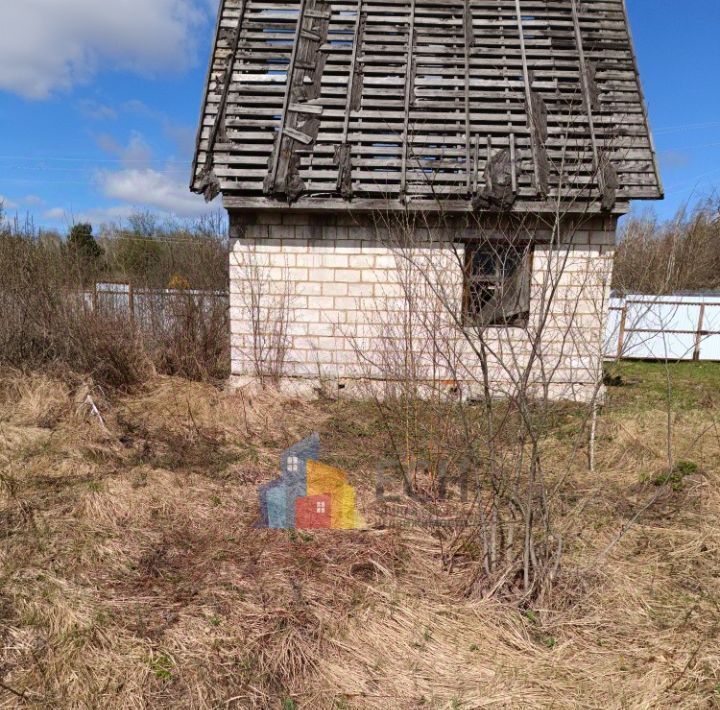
<point x="699" y="334"/>
<point x="94" y="297"/>
<point x="131" y="303"/>
<point x="621" y="334"/>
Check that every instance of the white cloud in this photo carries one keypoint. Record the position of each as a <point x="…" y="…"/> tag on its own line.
<point x="8" y="204"/>
<point x="50" y="45"/>
<point x="153" y="189"/>
<point x="99" y="215"/>
<point x="96" y="110"/>
<point x="133" y="190"/>
<point x="55" y="214"/>
<point x="136" y="154"/>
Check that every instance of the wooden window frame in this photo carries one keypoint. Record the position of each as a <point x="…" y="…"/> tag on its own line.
<point x="489" y="314"/>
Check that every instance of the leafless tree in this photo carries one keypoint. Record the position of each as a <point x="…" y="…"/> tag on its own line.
<point x="481" y="323"/>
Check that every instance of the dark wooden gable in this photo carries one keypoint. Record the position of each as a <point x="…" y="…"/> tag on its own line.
<point x="475" y="104"/>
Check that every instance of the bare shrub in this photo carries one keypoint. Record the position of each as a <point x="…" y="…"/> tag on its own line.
<point x="50" y="316"/>
<point x="191" y="339"/>
<point x="265" y="301"/>
<point x="488" y="367"/>
<point x="45" y="320"/>
<point x="682" y="253"/>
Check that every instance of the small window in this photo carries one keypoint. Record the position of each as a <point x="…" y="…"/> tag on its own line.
<point x="497" y="285"/>
<point x="320" y="508"/>
<point x="293" y="464"/>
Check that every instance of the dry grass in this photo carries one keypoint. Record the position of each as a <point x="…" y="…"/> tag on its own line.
<point x="130" y="576"/>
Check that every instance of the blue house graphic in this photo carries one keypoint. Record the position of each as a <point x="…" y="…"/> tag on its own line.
<point x="277" y="498"/>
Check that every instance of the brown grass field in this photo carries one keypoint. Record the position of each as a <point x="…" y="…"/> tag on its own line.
<point x="130" y="575"/>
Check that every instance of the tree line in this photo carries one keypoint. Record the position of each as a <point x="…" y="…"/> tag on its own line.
<point x="654" y="256"/>
<point x="678" y="254"/>
<point x="145" y="250"/>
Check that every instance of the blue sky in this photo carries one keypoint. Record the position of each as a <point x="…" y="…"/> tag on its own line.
<point x="105" y="122"/>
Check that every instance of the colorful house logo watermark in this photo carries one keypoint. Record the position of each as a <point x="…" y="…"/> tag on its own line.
<point x="309" y="495"/>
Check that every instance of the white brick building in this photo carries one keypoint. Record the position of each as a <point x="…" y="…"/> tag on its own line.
<point x="430" y="198"/>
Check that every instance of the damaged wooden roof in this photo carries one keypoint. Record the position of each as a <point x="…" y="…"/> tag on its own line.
<point x="475" y="104"/>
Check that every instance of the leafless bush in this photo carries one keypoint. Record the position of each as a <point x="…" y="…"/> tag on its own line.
<point x="682" y="253"/>
<point x="49" y="317"/>
<point x="488" y="366"/>
<point x="46" y="321"/>
<point x="191" y="338"/>
<point x="265" y="303"/>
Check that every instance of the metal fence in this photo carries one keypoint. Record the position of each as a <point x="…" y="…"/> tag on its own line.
<point x="678" y="327"/>
<point x="681" y="327"/>
<point x="152" y="308"/>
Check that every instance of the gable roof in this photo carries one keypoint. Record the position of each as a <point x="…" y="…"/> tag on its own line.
<point x="475" y="104"/>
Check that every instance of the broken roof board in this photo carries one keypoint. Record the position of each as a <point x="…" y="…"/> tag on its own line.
<point x="508" y="103"/>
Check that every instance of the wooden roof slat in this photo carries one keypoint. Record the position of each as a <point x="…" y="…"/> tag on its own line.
<point x="408" y="82"/>
<point x="288" y="87"/>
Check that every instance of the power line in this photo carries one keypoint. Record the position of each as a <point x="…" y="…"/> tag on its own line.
<point x="686" y="127"/>
<point x="697" y="146"/>
<point x="70" y="159"/>
<point x="690" y="184"/>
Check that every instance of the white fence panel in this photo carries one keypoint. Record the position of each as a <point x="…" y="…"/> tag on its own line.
<point x="682" y="327"/>
<point x="152" y="309"/>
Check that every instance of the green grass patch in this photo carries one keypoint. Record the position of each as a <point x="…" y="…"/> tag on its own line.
<point x="675" y="478"/>
<point x="162" y="667"/>
<point x="643" y="385"/>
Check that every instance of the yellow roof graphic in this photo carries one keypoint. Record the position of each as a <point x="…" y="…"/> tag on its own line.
<point x="326" y="480"/>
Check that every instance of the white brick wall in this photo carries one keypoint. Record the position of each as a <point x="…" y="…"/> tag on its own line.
<point x="342" y="293"/>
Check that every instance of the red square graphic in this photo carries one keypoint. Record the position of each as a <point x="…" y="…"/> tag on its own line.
<point x="313" y="513"/>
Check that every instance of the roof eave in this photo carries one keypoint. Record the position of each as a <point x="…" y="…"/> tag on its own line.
<point x="194" y="186"/>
